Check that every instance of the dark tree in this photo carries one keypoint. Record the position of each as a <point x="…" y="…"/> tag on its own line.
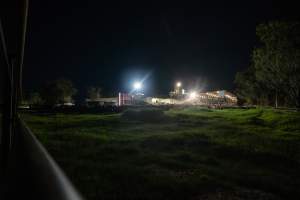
<point x="35" y="99"/>
<point x="246" y="86"/>
<point x="249" y="90"/>
<point x="277" y="61"/>
<point x="58" y="92"/>
<point x="94" y="93"/>
<point x="275" y="70"/>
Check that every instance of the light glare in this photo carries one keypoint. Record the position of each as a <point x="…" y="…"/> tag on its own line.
<point x="137" y="85"/>
<point x="193" y="95"/>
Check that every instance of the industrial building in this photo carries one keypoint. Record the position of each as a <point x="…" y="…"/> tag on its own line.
<point x="213" y="98"/>
<point x="220" y="98"/>
<point x="111" y="101"/>
<point x="178" y="96"/>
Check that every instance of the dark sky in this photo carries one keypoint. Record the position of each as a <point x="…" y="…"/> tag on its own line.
<point x="112" y="44"/>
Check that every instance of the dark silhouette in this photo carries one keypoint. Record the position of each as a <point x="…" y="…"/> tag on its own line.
<point x="274" y="76"/>
<point x="59" y="91"/>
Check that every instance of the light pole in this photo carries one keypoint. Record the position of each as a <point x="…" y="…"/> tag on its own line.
<point x="193" y="95"/>
<point x="137" y="87"/>
<point x="177" y="88"/>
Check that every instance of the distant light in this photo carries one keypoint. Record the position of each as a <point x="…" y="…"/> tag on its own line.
<point x="178" y="84"/>
<point x="137" y="85"/>
<point x="193" y="95"/>
<point x="183" y="91"/>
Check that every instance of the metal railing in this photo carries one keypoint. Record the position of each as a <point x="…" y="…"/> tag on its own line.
<point x="32" y="173"/>
<point x="27" y="169"/>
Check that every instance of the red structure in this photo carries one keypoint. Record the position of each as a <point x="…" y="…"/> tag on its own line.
<point x="125" y="99"/>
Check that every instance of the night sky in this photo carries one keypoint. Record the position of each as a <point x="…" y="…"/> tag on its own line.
<point x="112" y="44"/>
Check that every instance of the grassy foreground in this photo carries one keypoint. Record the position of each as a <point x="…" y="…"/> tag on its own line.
<point x="188" y="153"/>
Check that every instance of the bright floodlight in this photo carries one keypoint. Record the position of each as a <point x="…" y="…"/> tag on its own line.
<point x="137" y="85"/>
<point x="193" y="95"/>
<point x="178" y="84"/>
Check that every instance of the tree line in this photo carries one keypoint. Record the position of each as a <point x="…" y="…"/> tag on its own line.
<point x="273" y="77"/>
<point x="58" y="92"/>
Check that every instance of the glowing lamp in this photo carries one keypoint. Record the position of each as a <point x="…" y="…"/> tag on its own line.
<point x="137" y="85"/>
<point x="193" y="95"/>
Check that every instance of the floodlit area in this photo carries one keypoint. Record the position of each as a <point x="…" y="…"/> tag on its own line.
<point x="179" y="153"/>
<point x="178" y="96"/>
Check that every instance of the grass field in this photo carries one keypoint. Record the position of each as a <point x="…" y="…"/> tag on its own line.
<point x="187" y="153"/>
